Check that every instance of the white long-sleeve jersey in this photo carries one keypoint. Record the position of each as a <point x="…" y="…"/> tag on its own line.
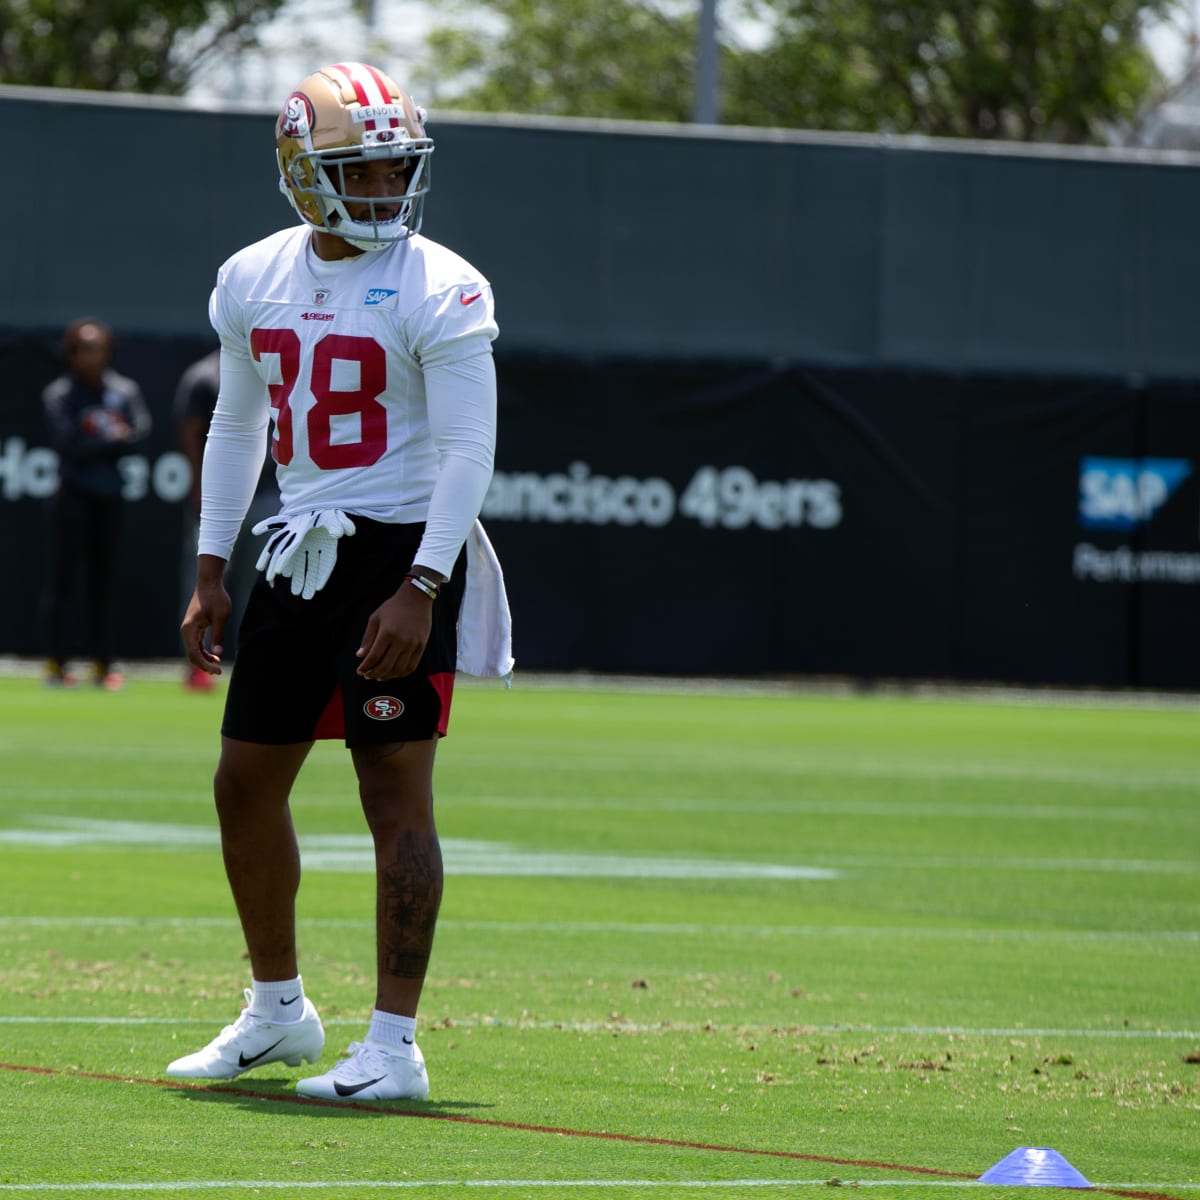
<point x="377" y="375"/>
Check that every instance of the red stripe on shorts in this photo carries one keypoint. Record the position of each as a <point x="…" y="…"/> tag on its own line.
<point x="332" y="722"/>
<point x="443" y="684"/>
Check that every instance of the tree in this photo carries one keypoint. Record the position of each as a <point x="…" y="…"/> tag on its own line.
<point x="627" y="58"/>
<point x="1032" y="70"/>
<point x="122" y="45"/>
<point x="1028" y="70"/>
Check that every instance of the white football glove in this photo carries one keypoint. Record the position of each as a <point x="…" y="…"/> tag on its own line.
<point x="303" y="548"/>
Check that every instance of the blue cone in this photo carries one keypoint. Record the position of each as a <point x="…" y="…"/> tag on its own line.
<point x="1034" y="1167"/>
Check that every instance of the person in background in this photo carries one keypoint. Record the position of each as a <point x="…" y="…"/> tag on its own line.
<point x="195" y="399"/>
<point x="95" y="417"/>
<point x="369" y="348"/>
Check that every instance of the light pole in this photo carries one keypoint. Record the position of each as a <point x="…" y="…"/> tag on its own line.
<point x="707" y="106"/>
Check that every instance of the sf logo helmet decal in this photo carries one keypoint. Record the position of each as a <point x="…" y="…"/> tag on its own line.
<point x="296" y="119"/>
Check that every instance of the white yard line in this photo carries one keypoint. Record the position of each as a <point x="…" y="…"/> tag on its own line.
<point x="670" y="1027"/>
<point x="648" y="929"/>
<point x="470" y="857"/>
<point x="343" y="1185"/>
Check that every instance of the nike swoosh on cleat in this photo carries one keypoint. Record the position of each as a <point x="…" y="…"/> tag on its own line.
<point x="243" y="1061"/>
<point x="291" y="1001"/>
<point x="352" y="1089"/>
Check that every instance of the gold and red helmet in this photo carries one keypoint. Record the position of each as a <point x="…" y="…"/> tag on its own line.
<point x="345" y="115"/>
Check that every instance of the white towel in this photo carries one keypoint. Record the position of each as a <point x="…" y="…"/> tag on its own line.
<point x="484" y="620"/>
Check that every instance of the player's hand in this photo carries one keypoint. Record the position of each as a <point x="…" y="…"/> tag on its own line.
<point x="203" y="628"/>
<point x="397" y="633"/>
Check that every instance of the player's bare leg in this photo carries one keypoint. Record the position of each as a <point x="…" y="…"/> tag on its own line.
<point x="258" y="841"/>
<point x="396" y="789"/>
<point x="262" y="861"/>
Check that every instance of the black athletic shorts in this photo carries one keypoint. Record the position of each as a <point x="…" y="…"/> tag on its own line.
<point x="295" y="676"/>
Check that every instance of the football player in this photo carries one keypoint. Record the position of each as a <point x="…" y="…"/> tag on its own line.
<point x="369" y="347"/>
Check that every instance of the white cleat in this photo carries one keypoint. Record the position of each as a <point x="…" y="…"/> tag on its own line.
<point x="253" y="1042"/>
<point x="370" y="1072"/>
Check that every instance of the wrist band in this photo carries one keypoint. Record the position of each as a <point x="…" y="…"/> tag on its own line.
<point x="422" y="584"/>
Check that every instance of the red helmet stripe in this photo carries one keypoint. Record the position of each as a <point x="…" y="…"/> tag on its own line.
<point x="361" y="78"/>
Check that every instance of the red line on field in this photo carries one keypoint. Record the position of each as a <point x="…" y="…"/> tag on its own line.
<point x="522" y="1127"/>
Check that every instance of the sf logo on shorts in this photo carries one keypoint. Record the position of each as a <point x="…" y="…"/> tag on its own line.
<point x="383" y="708"/>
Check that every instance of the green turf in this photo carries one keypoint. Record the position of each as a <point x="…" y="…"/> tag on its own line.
<point x="736" y="943"/>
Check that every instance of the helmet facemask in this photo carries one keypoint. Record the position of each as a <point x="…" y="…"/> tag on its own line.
<point x="315" y="184"/>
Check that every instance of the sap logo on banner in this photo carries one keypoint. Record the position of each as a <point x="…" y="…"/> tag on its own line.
<point x="1122" y="493"/>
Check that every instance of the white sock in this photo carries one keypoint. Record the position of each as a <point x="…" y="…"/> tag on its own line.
<point x="394" y="1033"/>
<point x="279" y="1000"/>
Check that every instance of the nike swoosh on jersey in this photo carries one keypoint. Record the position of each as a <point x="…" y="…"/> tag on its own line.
<point x="469" y="299"/>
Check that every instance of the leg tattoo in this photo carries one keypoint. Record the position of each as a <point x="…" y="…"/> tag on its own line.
<point x="410" y="892"/>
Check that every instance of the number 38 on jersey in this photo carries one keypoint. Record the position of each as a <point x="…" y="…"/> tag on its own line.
<point x="346" y="424"/>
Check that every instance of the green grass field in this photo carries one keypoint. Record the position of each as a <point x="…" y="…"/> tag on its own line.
<point x="696" y="941"/>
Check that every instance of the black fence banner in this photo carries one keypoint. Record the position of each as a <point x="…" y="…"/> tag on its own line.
<point x="746" y="519"/>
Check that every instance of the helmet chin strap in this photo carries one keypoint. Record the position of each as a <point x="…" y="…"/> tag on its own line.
<point x="369" y="246"/>
<point x="337" y="221"/>
<point x="347" y="229"/>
